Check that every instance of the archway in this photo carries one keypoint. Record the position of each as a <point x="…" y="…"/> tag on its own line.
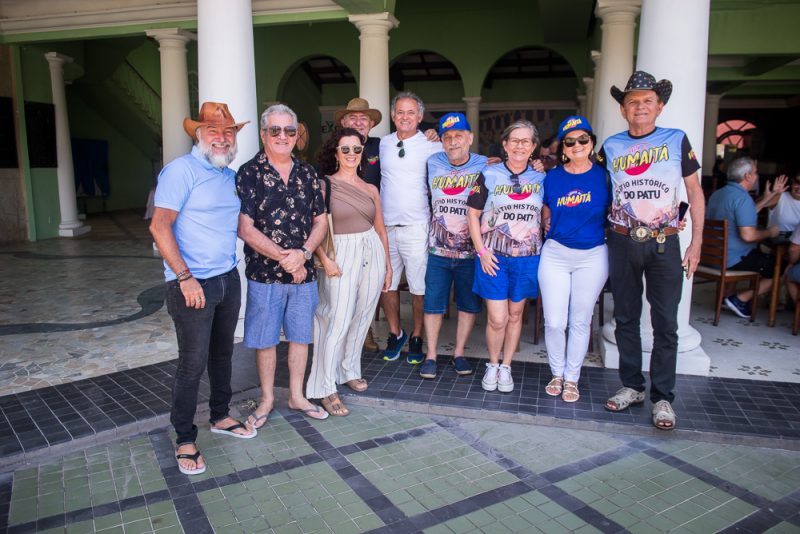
<point x="533" y="83"/>
<point x="314" y="88"/>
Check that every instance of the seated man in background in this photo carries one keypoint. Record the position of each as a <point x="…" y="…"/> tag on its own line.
<point x="785" y="204"/>
<point x="734" y="203"/>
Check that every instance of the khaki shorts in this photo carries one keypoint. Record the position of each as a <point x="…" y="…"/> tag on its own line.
<point x="408" y="250"/>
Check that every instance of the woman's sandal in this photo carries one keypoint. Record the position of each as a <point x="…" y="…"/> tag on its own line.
<point x="334" y="405"/>
<point x="554" y="387"/>
<point x="570" y="393"/>
<point x="357" y="384"/>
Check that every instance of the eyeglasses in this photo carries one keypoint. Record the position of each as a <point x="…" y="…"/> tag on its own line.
<point x="275" y="131"/>
<point x="344" y="149"/>
<point x="583" y="139"/>
<point x="516" y="188"/>
<point x="402" y="152"/>
<point x="519" y="142"/>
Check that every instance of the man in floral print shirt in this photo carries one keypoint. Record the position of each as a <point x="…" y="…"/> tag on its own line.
<point x="282" y="221"/>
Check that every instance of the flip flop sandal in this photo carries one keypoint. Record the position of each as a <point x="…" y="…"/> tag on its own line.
<point x="554" y="387"/>
<point x="570" y="393"/>
<point x="334" y="405"/>
<point x="256" y="418"/>
<point x="229" y="431"/>
<point x="663" y="415"/>
<point x="308" y="411"/>
<point x="193" y="457"/>
<point x="358" y="384"/>
<point x="624" y="398"/>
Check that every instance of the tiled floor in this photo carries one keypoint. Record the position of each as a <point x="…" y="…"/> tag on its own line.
<point x="379" y="470"/>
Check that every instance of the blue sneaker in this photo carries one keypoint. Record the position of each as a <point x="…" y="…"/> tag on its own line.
<point x="394" y="345"/>
<point x="415" y="355"/>
<point x="428" y="369"/>
<point x="742" y="309"/>
<point x="462" y="365"/>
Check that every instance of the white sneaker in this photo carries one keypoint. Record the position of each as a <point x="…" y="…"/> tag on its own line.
<point x="505" y="384"/>
<point x="489" y="382"/>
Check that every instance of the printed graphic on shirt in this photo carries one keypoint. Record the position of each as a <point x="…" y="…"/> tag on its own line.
<point x="449" y="187"/>
<point x="646" y="175"/>
<point x="574" y="198"/>
<point x="510" y="223"/>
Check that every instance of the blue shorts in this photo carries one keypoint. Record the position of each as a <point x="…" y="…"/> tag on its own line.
<point x="794" y="273"/>
<point x="272" y="306"/>
<point x="440" y="275"/>
<point x="516" y="279"/>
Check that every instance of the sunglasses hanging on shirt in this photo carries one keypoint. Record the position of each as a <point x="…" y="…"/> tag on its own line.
<point x="402" y="152"/>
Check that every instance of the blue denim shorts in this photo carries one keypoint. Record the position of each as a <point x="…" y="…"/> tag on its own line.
<point x="516" y="279"/>
<point x="794" y="273"/>
<point x="441" y="274"/>
<point x="272" y="306"/>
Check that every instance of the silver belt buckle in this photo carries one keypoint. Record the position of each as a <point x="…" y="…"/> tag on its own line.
<point x="640" y="234"/>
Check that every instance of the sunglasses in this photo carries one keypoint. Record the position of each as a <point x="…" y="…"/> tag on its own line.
<point x="344" y="149"/>
<point x="402" y="152"/>
<point x="516" y="188"/>
<point x="583" y="139"/>
<point x="275" y="131"/>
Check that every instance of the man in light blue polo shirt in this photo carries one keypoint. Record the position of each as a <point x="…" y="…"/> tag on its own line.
<point x="733" y="202"/>
<point x="194" y="226"/>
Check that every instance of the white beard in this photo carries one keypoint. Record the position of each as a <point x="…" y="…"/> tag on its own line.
<point x="217" y="160"/>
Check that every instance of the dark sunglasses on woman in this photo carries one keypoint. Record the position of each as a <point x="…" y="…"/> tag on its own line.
<point x="344" y="149"/>
<point x="583" y="139"/>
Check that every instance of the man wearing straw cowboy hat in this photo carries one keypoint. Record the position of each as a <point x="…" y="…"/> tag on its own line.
<point x="194" y="226"/>
<point x="647" y="165"/>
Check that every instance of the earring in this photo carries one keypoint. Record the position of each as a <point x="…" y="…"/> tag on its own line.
<point x="600" y="158"/>
<point x="358" y="171"/>
<point x="337" y="165"/>
<point x="564" y="158"/>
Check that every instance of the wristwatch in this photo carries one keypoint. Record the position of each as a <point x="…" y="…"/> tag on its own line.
<point x="306" y="253"/>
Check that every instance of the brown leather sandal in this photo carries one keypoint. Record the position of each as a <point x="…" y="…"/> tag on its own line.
<point x="357" y="384"/>
<point x="334" y="405"/>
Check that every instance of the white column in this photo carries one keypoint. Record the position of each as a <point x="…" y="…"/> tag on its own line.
<point x="174" y="90"/>
<point x="619" y="23"/>
<point x="227" y="73"/>
<point x="684" y="62"/>
<point x="474" y="118"/>
<point x="710" y="133"/>
<point x="586" y="108"/>
<point x="70" y="226"/>
<point x="373" y="71"/>
<point x="596" y="59"/>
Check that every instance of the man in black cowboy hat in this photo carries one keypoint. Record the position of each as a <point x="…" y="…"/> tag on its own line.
<point x="647" y="165"/>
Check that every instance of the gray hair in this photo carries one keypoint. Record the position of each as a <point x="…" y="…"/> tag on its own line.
<point x="277" y="109"/>
<point x="521" y="123"/>
<point x="412" y="96"/>
<point x="739" y="167"/>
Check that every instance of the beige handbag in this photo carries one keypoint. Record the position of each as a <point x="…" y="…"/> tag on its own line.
<point x="327" y="243"/>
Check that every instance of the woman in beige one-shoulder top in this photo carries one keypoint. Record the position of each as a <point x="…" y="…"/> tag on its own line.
<point x="352" y="283"/>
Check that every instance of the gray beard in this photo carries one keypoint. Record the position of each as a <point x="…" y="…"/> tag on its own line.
<point x="219" y="161"/>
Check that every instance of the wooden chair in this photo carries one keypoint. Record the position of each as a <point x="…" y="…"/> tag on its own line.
<point x="713" y="265"/>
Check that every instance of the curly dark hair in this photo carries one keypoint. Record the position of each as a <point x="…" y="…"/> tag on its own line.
<point x="327" y="154"/>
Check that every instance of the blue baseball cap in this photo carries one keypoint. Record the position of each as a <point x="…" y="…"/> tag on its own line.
<point x="575" y="122"/>
<point x="453" y="121"/>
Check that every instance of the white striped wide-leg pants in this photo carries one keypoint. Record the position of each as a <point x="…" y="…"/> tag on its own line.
<point x="570" y="281"/>
<point x="344" y="314"/>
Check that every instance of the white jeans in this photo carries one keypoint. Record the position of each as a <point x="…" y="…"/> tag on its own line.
<point x="570" y="281"/>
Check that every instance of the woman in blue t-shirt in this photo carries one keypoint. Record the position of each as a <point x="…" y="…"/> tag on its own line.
<point x="574" y="263"/>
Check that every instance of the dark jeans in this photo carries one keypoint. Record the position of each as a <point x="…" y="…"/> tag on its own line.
<point x="628" y="261"/>
<point x="205" y="336"/>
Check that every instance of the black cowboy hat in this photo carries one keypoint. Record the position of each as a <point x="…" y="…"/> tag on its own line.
<point x="643" y="81"/>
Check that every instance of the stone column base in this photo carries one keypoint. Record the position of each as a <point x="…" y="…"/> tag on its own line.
<point x="692" y="362"/>
<point x="74" y="232"/>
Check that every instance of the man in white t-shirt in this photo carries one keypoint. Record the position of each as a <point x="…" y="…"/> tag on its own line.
<point x="406" y="213"/>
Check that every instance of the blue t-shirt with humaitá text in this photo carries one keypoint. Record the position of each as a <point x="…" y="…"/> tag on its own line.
<point x="578" y="205"/>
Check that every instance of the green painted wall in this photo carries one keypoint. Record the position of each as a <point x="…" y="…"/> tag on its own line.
<point x="44" y="186"/>
<point x="130" y="171"/>
<point x="763" y="29"/>
<point x="304" y="98"/>
<point x="146" y="60"/>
